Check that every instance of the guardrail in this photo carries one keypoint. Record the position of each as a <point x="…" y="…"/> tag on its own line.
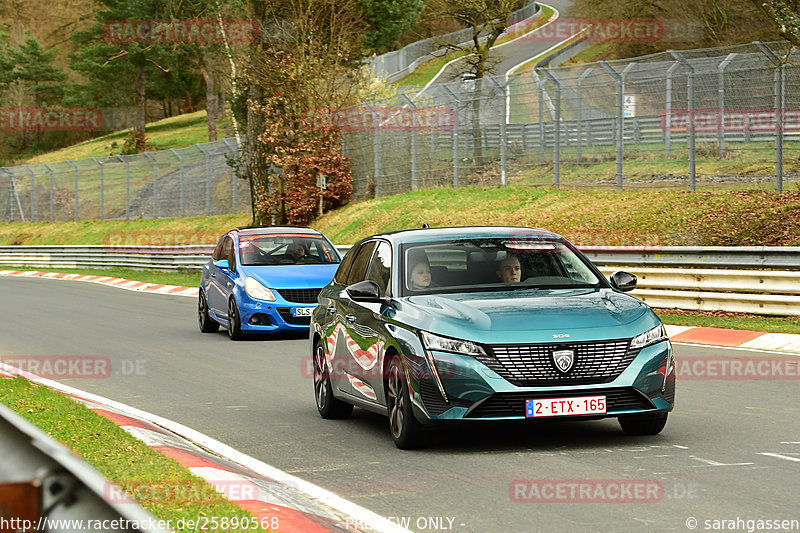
<point x="750" y="279"/>
<point x="45" y="484"/>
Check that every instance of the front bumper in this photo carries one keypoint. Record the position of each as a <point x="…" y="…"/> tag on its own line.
<point x="265" y="317"/>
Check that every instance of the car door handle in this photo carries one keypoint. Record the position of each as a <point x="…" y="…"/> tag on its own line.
<point x="350" y="318"/>
<point x="331" y="310"/>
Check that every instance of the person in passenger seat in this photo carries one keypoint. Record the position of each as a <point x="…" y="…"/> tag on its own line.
<point x="419" y="273"/>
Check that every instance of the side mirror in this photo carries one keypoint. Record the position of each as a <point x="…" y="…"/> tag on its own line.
<point x="623" y="281"/>
<point x="222" y="264"/>
<point x="365" y="291"/>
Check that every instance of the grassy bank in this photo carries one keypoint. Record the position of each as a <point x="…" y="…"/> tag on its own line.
<point x="117" y="455"/>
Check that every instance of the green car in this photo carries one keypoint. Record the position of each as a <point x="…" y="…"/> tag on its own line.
<point x="482" y="324"/>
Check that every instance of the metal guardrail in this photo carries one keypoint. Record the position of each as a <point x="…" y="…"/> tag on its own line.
<point x="752" y="279"/>
<point x="41" y="481"/>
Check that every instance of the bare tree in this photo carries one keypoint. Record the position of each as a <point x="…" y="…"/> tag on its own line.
<point x="784" y="15"/>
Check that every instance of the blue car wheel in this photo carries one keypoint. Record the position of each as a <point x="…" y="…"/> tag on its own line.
<point x="234" y="321"/>
<point x="206" y="323"/>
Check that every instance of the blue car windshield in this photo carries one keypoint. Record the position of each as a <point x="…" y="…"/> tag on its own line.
<point x="286" y="249"/>
<point x="494" y="264"/>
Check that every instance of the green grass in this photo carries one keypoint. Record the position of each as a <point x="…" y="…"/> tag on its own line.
<point x="117" y="455"/>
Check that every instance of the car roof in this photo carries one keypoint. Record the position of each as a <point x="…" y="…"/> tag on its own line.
<point x="435" y="234"/>
<point x="270" y="230"/>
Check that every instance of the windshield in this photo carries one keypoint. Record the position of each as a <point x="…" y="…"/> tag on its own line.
<point x="494" y="264"/>
<point x="286" y="249"/>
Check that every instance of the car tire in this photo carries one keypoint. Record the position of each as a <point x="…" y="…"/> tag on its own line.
<point x="650" y="424"/>
<point x="404" y="427"/>
<point x="206" y="323"/>
<point x="328" y="406"/>
<point x="234" y="321"/>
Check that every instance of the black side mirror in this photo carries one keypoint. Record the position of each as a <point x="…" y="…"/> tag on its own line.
<point x="365" y="291"/>
<point x="623" y="281"/>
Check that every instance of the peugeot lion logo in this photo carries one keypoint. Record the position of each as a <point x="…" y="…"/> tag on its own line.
<point x="564" y="359"/>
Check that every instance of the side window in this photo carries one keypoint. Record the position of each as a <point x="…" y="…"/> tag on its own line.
<point x="359" y="270"/>
<point x="344" y="267"/>
<point x="381" y="266"/>
<point x="217" y="255"/>
<point x="227" y="252"/>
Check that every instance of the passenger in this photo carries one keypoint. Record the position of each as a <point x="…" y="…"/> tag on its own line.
<point x="296" y="252"/>
<point x="509" y="270"/>
<point x="419" y="273"/>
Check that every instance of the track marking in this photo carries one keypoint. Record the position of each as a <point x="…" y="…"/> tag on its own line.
<point x="779" y="456"/>
<point x="709" y="462"/>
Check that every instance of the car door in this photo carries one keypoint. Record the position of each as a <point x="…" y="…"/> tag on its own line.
<point x="221" y="283"/>
<point x="365" y="326"/>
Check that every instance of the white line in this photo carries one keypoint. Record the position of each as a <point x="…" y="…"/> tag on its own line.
<point x="779" y="456"/>
<point x="372" y="520"/>
<point x="713" y="346"/>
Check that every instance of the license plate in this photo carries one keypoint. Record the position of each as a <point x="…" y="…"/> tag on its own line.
<point x="581" y="405"/>
<point x="302" y="311"/>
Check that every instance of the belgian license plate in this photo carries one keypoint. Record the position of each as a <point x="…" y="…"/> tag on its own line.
<point x="302" y="311"/>
<point x="581" y="405"/>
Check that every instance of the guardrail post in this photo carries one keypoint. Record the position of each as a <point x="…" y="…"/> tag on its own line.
<point x="155" y="183"/>
<point x="690" y="112"/>
<point x="413" y="141"/>
<point x="779" y="111"/>
<point x="721" y="102"/>
<point x="619" y="125"/>
<point x="50" y="171"/>
<point x="33" y="193"/>
<point x="102" y="192"/>
<point x="585" y="74"/>
<point x="208" y="178"/>
<point x="234" y="151"/>
<point x="556" y="128"/>
<point x="75" y="169"/>
<point x="180" y="172"/>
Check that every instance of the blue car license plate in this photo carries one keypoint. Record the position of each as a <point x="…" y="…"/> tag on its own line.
<point x="301" y="311"/>
<point x="581" y="405"/>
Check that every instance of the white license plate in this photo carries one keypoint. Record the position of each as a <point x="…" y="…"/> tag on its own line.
<point x="302" y="311"/>
<point x="581" y="405"/>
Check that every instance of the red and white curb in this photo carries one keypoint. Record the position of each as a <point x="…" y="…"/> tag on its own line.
<point x="730" y="338"/>
<point x="295" y="504"/>
<point x="120" y="283"/>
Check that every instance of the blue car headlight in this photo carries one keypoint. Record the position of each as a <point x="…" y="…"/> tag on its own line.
<point x="445" y="344"/>
<point x="256" y="290"/>
<point x="657" y="334"/>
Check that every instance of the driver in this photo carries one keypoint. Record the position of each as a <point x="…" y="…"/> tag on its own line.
<point x="509" y="270"/>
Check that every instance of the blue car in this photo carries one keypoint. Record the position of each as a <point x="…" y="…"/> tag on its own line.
<point x="486" y="323"/>
<point x="264" y="279"/>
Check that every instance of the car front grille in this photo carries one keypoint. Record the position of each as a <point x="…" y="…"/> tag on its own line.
<point x="300" y="296"/>
<point x="532" y="365"/>
<point x="513" y="403"/>
<point x="286" y="315"/>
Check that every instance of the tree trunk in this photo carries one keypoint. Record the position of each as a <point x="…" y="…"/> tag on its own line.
<point x="141" y="108"/>
<point x="211" y="101"/>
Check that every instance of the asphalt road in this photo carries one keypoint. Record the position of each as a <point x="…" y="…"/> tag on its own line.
<point x="256" y="396"/>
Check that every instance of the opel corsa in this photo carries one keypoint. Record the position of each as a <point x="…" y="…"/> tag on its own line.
<point x="482" y="324"/>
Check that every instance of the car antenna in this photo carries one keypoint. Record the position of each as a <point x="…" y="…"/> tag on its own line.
<point x="425" y="225"/>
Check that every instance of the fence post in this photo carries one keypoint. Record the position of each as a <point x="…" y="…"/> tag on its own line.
<point x="540" y="88"/>
<point x="690" y="112"/>
<point x="668" y="113"/>
<point x="455" y="135"/>
<point x="556" y="129"/>
<point x="235" y="153"/>
<point x="779" y="112"/>
<point x="721" y="102"/>
<point x="619" y="125"/>
<point x="155" y="183"/>
<point x="376" y="150"/>
<point x="413" y="142"/>
<point x="585" y="74"/>
<point x="208" y="178"/>
<point x="75" y="170"/>
<point x="102" y="175"/>
<point x="127" y="187"/>
<point x="33" y="193"/>
<point x="180" y="173"/>
<point x="503" y="133"/>
<point x="50" y="171"/>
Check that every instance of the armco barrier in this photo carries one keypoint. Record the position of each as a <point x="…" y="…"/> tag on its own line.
<point x="43" y="482"/>
<point x="751" y="279"/>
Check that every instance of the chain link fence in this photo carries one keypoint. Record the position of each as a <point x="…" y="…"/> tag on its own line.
<point x="723" y="117"/>
<point x="194" y="181"/>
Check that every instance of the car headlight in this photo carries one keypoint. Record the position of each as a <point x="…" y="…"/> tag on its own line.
<point x="647" y="338"/>
<point x="444" y="344"/>
<point x="256" y="290"/>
